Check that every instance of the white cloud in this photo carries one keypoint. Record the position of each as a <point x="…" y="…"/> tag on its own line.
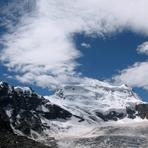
<point x="85" y="45"/>
<point x="134" y="76"/>
<point x="143" y="48"/>
<point x="40" y="49"/>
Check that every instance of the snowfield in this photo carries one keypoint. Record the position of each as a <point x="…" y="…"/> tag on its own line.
<point x="91" y="96"/>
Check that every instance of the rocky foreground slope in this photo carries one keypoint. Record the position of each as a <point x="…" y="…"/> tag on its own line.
<point x="89" y="115"/>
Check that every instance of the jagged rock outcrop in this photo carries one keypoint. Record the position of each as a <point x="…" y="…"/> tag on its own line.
<point x="24" y="109"/>
<point x="142" y="110"/>
<point x="8" y="139"/>
<point x="4" y="122"/>
<point x="22" y="112"/>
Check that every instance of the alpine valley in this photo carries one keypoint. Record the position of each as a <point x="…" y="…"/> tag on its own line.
<point x="88" y="114"/>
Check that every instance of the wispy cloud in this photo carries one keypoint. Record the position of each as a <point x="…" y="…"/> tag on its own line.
<point x="85" y="45"/>
<point x="41" y="50"/>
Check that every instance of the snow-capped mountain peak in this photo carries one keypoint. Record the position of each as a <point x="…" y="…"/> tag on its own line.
<point x="92" y="99"/>
<point x="22" y="89"/>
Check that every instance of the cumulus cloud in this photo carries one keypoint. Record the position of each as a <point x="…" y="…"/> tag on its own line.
<point x="40" y="48"/>
<point x="134" y="76"/>
<point x="143" y="48"/>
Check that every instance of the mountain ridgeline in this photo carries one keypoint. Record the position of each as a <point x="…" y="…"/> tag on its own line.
<point x="31" y="120"/>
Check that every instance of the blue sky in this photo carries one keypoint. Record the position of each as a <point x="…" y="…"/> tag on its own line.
<point x="49" y="45"/>
<point x="109" y="55"/>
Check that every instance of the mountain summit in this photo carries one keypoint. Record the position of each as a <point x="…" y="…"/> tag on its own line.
<point x="94" y="101"/>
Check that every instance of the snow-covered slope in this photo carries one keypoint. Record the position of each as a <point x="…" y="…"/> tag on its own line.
<point x="92" y="98"/>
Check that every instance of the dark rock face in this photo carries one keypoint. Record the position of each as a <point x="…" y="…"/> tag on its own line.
<point x="10" y="140"/>
<point x="26" y="109"/>
<point x="131" y="113"/>
<point x="4" y="122"/>
<point x="142" y="110"/>
<point x="113" y="115"/>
